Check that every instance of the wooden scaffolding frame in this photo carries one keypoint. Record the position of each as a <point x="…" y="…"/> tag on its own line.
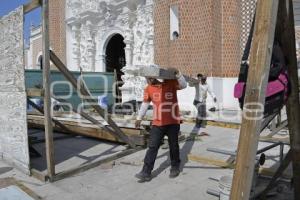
<point x="274" y="18"/>
<point x="46" y="93"/>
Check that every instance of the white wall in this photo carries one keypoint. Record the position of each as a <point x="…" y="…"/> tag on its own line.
<point x="223" y="89"/>
<point x="71" y="64"/>
<point x="13" y="121"/>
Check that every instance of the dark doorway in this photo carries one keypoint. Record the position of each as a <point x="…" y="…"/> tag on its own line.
<point x="40" y="62"/>
<point x="115" y="59"/>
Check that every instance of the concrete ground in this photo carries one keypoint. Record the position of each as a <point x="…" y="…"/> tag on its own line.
<point x="115" y="180"/>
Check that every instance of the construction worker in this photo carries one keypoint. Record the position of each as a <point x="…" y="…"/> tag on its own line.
<point x="166" y="121"/>
<point x="201" y="89"/>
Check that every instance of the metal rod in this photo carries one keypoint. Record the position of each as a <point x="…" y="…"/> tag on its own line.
<point x="232" y="153"/>
<point x="268" y="147"/>
<point x="226" y="152"/>
<point x="213" y="192"/>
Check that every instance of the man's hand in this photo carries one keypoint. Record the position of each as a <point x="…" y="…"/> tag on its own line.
<point x="138" y="123"/>
<point x="215" y="99"/>
<point x="176" y="71"/>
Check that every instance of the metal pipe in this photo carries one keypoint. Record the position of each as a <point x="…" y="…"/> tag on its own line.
<point x="268" y="147"/>
<point x="226" y="152"/>
<point x="213" y="192"/>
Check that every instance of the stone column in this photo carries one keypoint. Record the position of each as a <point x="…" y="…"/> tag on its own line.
<point x="102" y="62"/>
<point x="90" y="47"/>
<point x="128" y="87"/>
<point x="76" y="45"/>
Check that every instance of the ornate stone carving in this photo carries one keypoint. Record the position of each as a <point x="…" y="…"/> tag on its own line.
<point x="87" y="47"/>
<point x="143" y="38"/>
<point x="75" y="6"/>
<point x="76" y="44"/>
<point x="93" y="19"/>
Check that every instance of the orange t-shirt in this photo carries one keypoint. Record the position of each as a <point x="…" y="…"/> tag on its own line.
<point x="165" y="103"/>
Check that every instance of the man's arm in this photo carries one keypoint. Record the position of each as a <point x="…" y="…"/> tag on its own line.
<point x="143" y="109"/>
<point x="211" y="93"/>
<point x="181" y="81"/>
<point x="191" y="81"/>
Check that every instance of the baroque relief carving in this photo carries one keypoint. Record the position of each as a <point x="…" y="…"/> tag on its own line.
<point x="91" y="20"/>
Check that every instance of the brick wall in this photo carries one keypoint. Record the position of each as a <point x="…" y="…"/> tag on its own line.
<point x="231" y="34"/>
<point x="57" y="31"/>
<point x="208" y="42"/>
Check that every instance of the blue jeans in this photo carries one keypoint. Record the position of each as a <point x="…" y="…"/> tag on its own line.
<point x="157" y="134"/>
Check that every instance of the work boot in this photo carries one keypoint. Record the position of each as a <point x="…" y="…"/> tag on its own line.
<point x="143" y="176"/>
<point x="174" y="172"/>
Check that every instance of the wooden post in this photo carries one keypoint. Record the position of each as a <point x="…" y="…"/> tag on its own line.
<point x="260" y="58"/>
<point x="31" y="6"/>
<point x="84" y="91"/>
<point x="287" y="40"/>
<point x="46" y="86"/>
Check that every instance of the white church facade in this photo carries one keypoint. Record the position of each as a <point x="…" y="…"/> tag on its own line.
<point x="111" y="36"/>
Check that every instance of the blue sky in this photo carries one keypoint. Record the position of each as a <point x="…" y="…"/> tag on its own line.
<point x="34" y="17"/>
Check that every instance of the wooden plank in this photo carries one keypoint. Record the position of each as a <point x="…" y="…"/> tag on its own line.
<point x="54" y="120"/>
<point x="38" y="175"/>
<point x="87" y="166"/>
<point x="261" y="51"/>
<point x="210" y="161"/>
<point x="99" y="123"/>
<point x="84" y="91"/>
<point x="33" y="92"/>
<point x="284" y="140"/>
<point x="46" y="86"/>
<point x="229" y="164"/>
<point x="286" y="37"/>
<point x="139" y="137"/>
<point x="31" y="6"/>
<point x="271" y="172"/>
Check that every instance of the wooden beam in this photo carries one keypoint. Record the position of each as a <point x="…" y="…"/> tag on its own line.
<point x="63" y="127"/>
<point x="38" y="175"/>
<point x="287" y="40"/>
<point x="139" y="137"/>
<point x="46" y="86"/>
<point x="230" y="164"/>
<point x="210" y="161"/>
<point x="31" y="6"/>
<point x="85" y="92"/>
<point x="87" y="166"/>
<point x="259" y="67"/>
<point x="33" y="92"/>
